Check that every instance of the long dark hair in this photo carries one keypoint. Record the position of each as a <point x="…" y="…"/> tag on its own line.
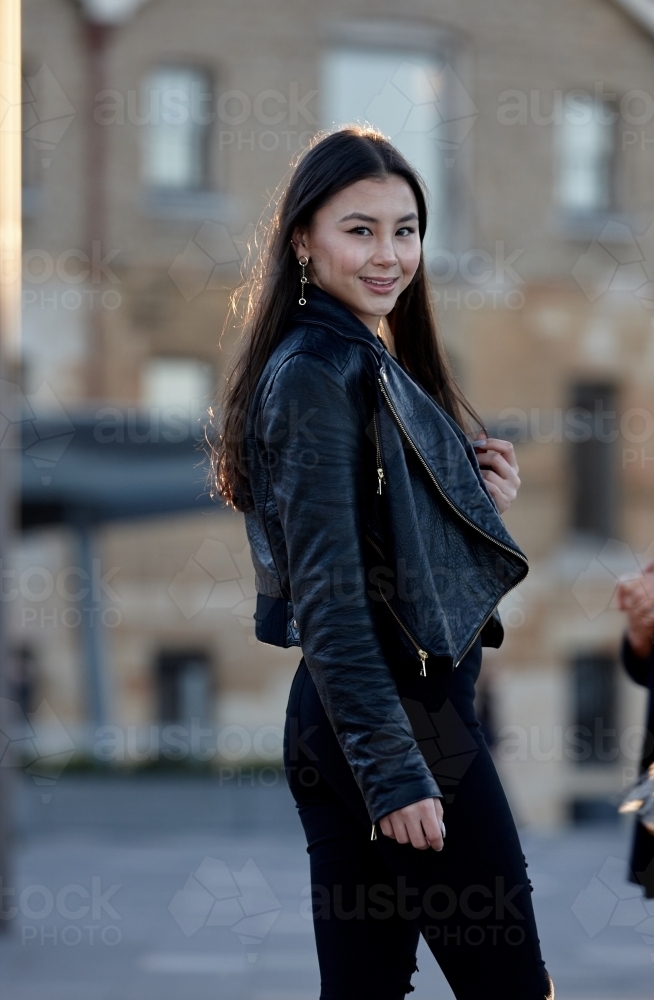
<point x="334" y="160"/>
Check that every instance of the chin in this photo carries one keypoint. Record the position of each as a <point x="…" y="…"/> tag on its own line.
<point x="383" y="308"/>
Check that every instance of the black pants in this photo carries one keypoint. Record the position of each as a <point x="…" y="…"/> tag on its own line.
<point x="371" y="899"/>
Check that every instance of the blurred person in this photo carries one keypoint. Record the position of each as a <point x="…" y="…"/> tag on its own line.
<point x="344" y="439"/>
<point x="635" y="596"/>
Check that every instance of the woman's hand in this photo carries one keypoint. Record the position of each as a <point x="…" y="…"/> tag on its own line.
<point x="636" y="597"/>
<point x="418" y="824"/>
<point x="499" y="468"/>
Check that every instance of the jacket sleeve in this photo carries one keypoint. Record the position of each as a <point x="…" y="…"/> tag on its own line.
<point x="313" y="435"/>
<point x="639" y="668"/>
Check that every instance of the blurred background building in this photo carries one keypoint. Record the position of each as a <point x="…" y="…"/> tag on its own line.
<point x="155" y="136"/>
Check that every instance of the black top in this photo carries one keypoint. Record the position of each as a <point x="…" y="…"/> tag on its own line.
<point x="641" y="670"/>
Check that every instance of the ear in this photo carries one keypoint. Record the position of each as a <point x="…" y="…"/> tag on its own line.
<point x="299" y="240"/>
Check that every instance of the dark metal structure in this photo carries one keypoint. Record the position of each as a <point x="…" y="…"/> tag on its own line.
<point x="88" y="469"/>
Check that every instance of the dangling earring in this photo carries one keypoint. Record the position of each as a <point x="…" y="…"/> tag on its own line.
<point x="303" y="260"/>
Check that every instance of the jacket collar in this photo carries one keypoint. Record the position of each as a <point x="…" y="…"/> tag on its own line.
<point x="442" y="444"/>
<point x="324" y="308"/>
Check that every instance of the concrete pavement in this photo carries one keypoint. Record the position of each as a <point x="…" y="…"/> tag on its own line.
<point x="179" y="888"/>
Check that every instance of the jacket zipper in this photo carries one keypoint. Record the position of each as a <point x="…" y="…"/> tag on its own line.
<point x="442" y="492"/>
<point x="380" y="468"/>
<point x="422" y="654"/>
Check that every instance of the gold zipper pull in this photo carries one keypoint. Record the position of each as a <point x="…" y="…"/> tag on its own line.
<point x="380" y="476"/>
<point x="423" y="656"/>
<point x="373" y="835"/>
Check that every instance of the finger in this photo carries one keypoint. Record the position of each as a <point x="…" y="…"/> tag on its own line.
<point x="641" y="597"/>
<point x="505" y="448"/>
<point x="386" y="827"/>
<point x="505" y="488"/>
<point x="644" y="583"/>
<point x="503" y="477"/>
<point x="431" y="825"/>
<point x="496" y="494"/>
<point x="415" y="828"/>
<point x="620" y="600"/>
<point x="400" y="830"/>
<point x="642" y="620"/>
<point x="505" y="483"/>
<point x="501" y="466"/>
<point x="635" y="595"/>
<point x="643" y="609"/>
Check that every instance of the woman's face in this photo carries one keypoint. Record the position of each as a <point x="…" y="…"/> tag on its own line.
<point x="364" y="246"/>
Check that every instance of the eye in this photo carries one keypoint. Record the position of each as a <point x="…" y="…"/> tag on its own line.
<point x="358" y="229"/>
<point x="409" y="229"/>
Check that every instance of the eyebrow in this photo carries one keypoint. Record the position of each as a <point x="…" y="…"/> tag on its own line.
<point x="369" y="218"/>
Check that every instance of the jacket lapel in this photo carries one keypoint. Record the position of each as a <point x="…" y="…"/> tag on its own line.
<point x="445" y="450"/>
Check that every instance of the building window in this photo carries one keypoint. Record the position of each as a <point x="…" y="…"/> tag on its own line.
<point x="587" y="153"/>
<point x="594" y="697"/>
<point x="593" y="459"/>
<point x="186" y="383"/>
<point x="22" y="680"/>
<point x="183" y="687"/>
<point x="176" y="110"/>
<point x="417" y="101"/>
<point x="32" y="155"/>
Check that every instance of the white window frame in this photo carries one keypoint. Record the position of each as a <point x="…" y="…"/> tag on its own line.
<point x="172" y="109"/>
<point x="421" y="40"/>
<point x="604" y="119"/>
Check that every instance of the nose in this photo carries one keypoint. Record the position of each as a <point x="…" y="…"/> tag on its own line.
<point x="384" y="255"/>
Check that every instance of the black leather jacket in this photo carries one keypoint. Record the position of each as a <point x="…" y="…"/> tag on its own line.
<point x="370" y="509"/>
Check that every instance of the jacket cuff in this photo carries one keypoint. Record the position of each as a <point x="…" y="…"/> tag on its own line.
<point x="403" y="795"/>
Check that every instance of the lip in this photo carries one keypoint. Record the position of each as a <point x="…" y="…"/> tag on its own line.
<point x="380" y="289"/>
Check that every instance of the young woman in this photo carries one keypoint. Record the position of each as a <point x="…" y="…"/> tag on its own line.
<point x="636" y="597"/>
<point x="378" y="547"/>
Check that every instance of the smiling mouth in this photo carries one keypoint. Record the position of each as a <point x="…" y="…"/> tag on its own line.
<point x="381" y="283"/>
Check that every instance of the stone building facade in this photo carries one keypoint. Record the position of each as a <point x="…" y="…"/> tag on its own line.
<point x="154" y="147"/>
